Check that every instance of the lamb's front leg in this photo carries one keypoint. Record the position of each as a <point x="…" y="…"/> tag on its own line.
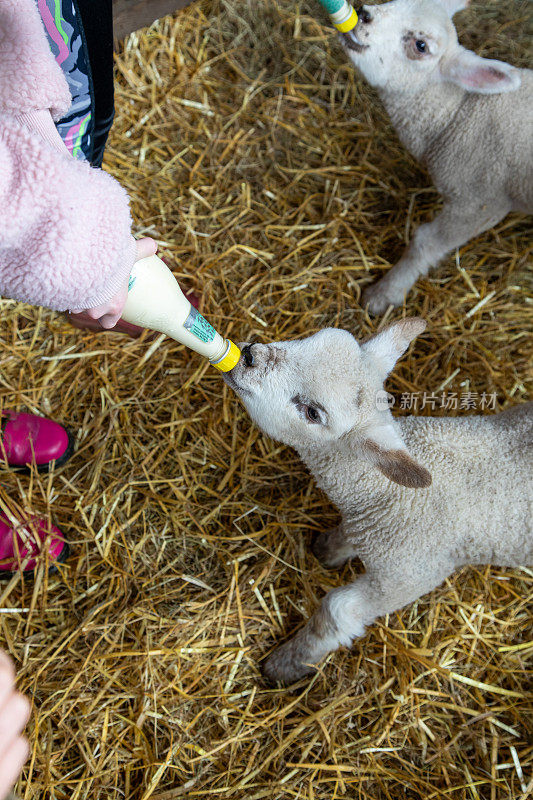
<point x="344" y="614"/>
<point x="454" y="226"/>
<point x="333" y="548"/>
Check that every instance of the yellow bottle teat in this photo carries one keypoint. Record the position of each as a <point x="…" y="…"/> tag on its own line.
<point x="230" y="359"/>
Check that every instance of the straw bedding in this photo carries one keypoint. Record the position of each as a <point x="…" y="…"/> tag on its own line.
<point x="271" y="178"/>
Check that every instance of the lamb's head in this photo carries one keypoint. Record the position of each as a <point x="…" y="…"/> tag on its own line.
<point x="406" y="45"/>
<point x="322" y="392"/>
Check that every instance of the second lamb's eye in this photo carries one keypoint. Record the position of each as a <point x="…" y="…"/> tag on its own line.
<point x="312" y="414"/>
<point x="421" y="46"/>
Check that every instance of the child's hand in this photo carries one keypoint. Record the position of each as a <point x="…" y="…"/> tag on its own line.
<point x="109" y="313"/>
<point x="14" y="714"/>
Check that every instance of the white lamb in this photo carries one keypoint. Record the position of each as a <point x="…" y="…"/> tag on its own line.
<point x="412" y="525"/>
<point x="467" y="118"/>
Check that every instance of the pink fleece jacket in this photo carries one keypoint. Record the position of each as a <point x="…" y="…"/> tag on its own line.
<point x="65" y="227"/>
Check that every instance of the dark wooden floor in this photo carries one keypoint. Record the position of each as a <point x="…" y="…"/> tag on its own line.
<point x="130" y="15"/>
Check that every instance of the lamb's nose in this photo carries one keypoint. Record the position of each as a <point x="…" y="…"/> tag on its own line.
<point x="248" y="356"/>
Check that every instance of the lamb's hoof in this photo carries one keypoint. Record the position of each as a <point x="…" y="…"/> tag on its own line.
<point x="320" y="550"/>
<point x="329" y="557"/>
<point x="378" y="298"/>
<point x="284" y="666"/>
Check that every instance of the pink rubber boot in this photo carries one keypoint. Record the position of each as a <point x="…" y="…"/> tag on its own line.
<point x="22" y="545"/>
<point x="27" y="437"/>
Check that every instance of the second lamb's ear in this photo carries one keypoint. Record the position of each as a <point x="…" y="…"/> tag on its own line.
<point x="482" y="75"/>
<point x="386" y="347"/>
<point x="398" y="466"/>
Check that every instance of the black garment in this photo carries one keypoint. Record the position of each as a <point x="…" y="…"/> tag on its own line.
<point x="97" y="21"/>
<point x="80" y="35"/>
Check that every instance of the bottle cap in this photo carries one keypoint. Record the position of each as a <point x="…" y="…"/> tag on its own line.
<point x="342" y="14"/>
<point x="347" y="24"/>
<point x="230" y="358"/>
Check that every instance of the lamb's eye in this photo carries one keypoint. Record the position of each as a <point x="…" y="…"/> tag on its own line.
<point x="421" y="46"/>
<point x="308" y="412"/>
<point x="312" y="414"/>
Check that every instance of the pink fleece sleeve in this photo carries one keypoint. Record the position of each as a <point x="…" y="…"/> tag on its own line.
<point x="65" y="238"/>
<point x="30" y="79"/>
<point x="65" y="228"/>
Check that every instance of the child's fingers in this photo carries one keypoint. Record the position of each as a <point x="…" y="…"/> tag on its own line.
<point x="146" y="247"/>
<point x="14" y="714"/>
<point x="104" y="313"/>
<point x="108" y="314"/>
<point x="7" y="678"/>
<point x="111" y="314"/>
<point x="6" y="664"/>
<point x="109" y="321"/>
<point x="11" y="764"/>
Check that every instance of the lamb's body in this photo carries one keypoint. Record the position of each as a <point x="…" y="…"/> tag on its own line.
<point x="478" y="148"/>
<point x="488" y="458"/>
<point x="478" y="510"/>
<point x="419" y="496"/>
<point x="468" y="119"/>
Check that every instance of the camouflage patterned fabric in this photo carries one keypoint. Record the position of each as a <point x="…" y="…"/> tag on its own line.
<point x="64" y="30"/>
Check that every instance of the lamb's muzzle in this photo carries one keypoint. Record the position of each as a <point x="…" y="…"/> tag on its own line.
<point x="248" y="355"/>
<point x="350" y="41"/>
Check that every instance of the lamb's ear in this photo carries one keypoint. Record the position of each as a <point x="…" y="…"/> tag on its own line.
<point x="397" y="465"/>
<point x="386" y="347"/>
<point x="482" y="75"/>
<point x="453" y="6"/>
